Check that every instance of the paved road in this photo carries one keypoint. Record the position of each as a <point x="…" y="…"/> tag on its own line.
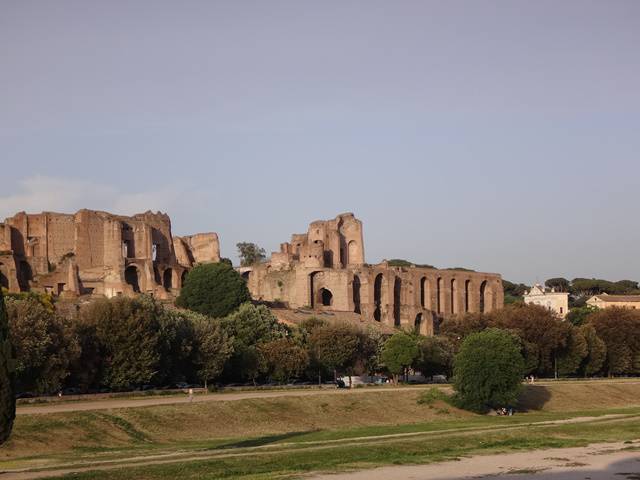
<point x="88" y="405"/>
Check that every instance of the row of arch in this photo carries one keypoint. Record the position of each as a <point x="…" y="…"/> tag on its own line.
<point x="133" y="277"/>
<point x="440" y="297"/>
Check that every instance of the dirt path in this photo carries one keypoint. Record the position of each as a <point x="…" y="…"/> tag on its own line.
<point x="211" y="397"/>
<point x="595" y="462"/>
<point x="91" y="463"/>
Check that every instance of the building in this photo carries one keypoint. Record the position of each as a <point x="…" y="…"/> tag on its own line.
<point x="557" y="302"/>
<point x="623" y="301"/>
<point x="93" y="252"/>
<point x="325" y="269"/>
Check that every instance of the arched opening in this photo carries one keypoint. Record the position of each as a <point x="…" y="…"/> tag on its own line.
<point x="183" y="278"/>
<point x="326" y="297"/>
<point x="377" y="297"/>
<point x="356" y="294"/>
<point x="4" y="279"/>
<point x="397" y="290"/>
<point x="132" y="278"/>
<point x="156" y="275"/>
<point x="417" y="324"/>
<point x="423" y="294"/>
<point x="352" y="248"/>
<point x="167" y="279"/>
<point x="25" y="275"/>
<point x="439" y="293"/>
<point x="483" y="291"/>
<point x="466" y="295"/>
<point x="246" y="275"/>
<point x="454" y="296"/>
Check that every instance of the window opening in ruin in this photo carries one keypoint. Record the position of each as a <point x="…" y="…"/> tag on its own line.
<point x="439" y="295"/>
<point x="417" y="323"/>
<point x="326" y="297"/>
<point x="154" y="252"/>
<point x="483" y="291"/>
<point x="454" y="295"/>
<point x="423" y="282"/>
<point x="397" y="290"/>
<point x="127" y="250"/>
<point x="466" y="295"/>
<point x="4" y="280"/>
<point x="356" y="294"/>
<point x="377" y="297"/>
<point x="156" y="275"/>
<point x="167" y="279"/>
<point x="131" y="277"/>
<point x="60" y="288"/>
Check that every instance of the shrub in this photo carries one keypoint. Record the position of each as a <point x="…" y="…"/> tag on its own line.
<point x="213" y="289"/>
<point x="488" y="371"/>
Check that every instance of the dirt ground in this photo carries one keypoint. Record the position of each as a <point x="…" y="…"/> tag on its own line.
<point x="595" y="462"/>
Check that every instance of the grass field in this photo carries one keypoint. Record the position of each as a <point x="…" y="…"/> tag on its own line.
<point x="283" y="437"/>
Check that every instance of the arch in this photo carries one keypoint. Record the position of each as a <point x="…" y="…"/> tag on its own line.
<point x="417" y="323"/>
<point x="156" y="275"/>
<point x="246" y="275"/>
<point x="183" y="278"/>
<point x="167" y="279"/>
<point x="397" y="298"/>
<point x="377" y="297"/>
<point x="4" y="279"/>
<point x="352" y="251"/>
<point x="439" y="294"/>
<point x="454" y="296"/>
<point x="132" y="277"/>
<point x="325" y="296"/>
<point x="356" y="294"/>
<point x="423" y="293"/>
<point x="312" y="289"/>
<point x="483" y="292"/>
<point x="467" y="283"/>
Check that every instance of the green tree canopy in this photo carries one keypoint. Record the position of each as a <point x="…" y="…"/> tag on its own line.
<point x="488" y="370"/>
<point x="399" y="353"/>
<point x="44" y="343"/>
<point x="250" y="253"/>
<point x="559" y="284"/>
<point x="435" y="356"/>
<point x="7" y="394"/>
<point x="283" y="359"/>
<point x="596" y="351"/>
<point x="213" y="289"/>
<point x="334" y="348"/>
<point x="619" y="329"/>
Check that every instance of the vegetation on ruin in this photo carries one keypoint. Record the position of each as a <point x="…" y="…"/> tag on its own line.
<point x="488" y="371"/>
<point x="250" y="253"/>
<point x="213" y="289"/>
<point x="7" y="394"/>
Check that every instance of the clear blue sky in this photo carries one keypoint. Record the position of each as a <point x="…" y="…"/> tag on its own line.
<point x="502" y="136"/>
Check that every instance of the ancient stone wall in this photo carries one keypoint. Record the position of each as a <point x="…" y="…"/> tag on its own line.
<point x="325" y="270"/>
<point x="93" y="252"/>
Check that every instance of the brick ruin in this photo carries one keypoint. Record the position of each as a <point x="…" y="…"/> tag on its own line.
<point x="324" y="269"/>
<point x="93" y="252"/>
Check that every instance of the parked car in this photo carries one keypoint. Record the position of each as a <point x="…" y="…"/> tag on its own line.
<point x="71" y="391"/>
<point x="25" y="395"/>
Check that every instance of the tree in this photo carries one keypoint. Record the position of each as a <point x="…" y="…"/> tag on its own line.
<point x="619" y="328"/>
<point x="127" y="332"/>
<point x="282" y="359"/>
<point x="213" y="348"/>
<point x="571" y="356"/>
<point x="248" y="327"/>
<point x="558" y="284"/>
<point x="435" y="356"/>
<point x="334" y="348"/>
<point x="488" y="370"/>
<point x="596" y="351"/>
<point x="250" y="253"/>
<point x="7" y="394"/>
<point x="579" y="315"/>
<point x="44" y="344"/>
<point x="399" y="353"/>
<point x="513" y="292"/>
<point x="535" y="325"/>
<point x="213" y="289"/>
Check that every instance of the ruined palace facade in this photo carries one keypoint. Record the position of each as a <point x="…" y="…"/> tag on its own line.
<point x="324" y="269"/>
<point x="93" y="252"/>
